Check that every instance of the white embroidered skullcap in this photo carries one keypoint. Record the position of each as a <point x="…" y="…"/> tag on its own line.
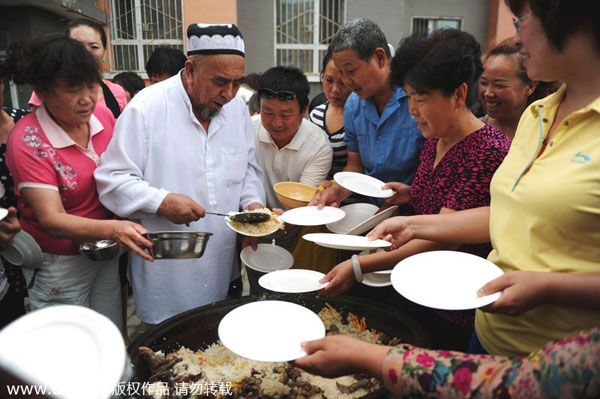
<point x="214" y="39"/>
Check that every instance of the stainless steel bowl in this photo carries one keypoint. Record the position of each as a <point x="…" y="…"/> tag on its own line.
<point x="100" y="251"/>
<point x="177" y="244"/>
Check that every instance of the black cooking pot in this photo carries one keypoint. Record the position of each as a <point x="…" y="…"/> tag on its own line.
<point x="197" y="328"/>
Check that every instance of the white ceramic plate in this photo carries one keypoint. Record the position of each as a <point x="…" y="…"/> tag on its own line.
<point x="262" y="233"/>
<point x="356" y="214"/>
<point x="362" y="184"/>
<point x="312" y="216"/>
<point x="270" y="331"/>
<point x="373" y="221"/>
<point x="24" y="251"/>
<point x="292" y="281"/>
<point x="3" y="213"/>
<point x="267" y="258"/>
<point x="377" y="279"/>
<point x="345" y="241"/>
<point x="70" y="349"/>
<point x="445" y="279"/>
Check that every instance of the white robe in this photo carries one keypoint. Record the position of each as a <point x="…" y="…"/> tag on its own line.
<point x="159" y="147"/>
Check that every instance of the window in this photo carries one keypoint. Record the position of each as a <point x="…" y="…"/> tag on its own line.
<point x="304" y="29"/>
<point x="139" y="26"/>
<point x="425" y="25"/>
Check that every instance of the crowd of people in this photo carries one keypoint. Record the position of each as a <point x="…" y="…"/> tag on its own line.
<point x="517" y="185"/>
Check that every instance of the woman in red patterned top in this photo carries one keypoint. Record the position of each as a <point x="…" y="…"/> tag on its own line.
<point x="458" y="160"/>
<point x="52" y="154"/>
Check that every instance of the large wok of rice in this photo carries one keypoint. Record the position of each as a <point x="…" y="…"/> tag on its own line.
<point x="188" y="345"/>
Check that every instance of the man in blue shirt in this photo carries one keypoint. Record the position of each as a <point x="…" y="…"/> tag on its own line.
<point x="381" y="136"/>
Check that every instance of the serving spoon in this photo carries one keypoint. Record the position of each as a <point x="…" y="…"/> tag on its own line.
<point x="245" y="217"/>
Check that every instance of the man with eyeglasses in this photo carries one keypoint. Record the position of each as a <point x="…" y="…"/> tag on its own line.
<point x="288" y="146"/>
<point x="184" y="146"/>
<point x="382" y="138"/>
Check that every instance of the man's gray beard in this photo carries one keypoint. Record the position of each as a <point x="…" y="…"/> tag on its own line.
<point x="207" y="113"/>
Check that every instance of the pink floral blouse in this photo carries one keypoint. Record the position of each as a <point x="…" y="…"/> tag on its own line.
<point x="568" y="368"/>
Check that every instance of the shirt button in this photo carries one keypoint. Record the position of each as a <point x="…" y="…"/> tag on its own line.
<point x="545" y="120"/>
<point x="566" y="123"/>
<point x="551" y="143"/>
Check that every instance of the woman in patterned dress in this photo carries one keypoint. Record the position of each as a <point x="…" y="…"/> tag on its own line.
<point x="566" y="368"/>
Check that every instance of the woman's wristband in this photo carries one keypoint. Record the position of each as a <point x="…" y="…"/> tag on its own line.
<point x="356" y="267"/>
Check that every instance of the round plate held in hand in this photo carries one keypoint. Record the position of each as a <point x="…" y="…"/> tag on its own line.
<point x="312" y="215"/>
<point x="362" y="184"/>
<point x="270" y="331"/>
<point x="267" y="258"/>
<point x="446" y="280"/>
<point x="344" y="241"/>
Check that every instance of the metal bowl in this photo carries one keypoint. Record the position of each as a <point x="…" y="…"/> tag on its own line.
<point x="100" y="251"/>
<point x="177" y="244"/>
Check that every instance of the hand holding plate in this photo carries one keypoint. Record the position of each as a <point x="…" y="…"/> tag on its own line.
<point x="9" y="226"/>
<point x="251" y="242"/>
<point x="341" y="279"/>
<point x="328" y="194"/>
<point x="401" y="194"/>
<point x="521" y="291"/>
<point x="338" y="355"/>
<point x="396" y="230"/>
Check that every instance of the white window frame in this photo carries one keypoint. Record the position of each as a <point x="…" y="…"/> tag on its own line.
<point x="138" y="42"/>
<point x="315" y="46"/>
<point x="438" y="18"/>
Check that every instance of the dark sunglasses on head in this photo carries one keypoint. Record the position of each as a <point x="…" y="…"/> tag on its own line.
<point x="268" y="94"/>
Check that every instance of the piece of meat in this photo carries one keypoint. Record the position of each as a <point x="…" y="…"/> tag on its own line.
<point x="164" y="372"/>
<point x="154" y="360"/>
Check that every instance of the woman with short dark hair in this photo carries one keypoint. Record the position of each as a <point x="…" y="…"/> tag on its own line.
<point x="52" y="154"/>
<point x="461" y="153"/>
<point x="91" y="34"/>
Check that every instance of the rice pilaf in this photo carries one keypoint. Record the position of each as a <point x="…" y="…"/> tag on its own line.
<point x="257" y="229"/>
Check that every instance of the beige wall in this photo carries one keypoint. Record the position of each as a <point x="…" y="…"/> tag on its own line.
<point x="209" y="11"/>
<point x="500" y="25"/>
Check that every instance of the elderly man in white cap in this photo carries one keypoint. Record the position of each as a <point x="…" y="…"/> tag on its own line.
<point x="183" y="146"/>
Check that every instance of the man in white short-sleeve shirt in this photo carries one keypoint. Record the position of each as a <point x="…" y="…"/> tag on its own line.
<point x="288" y="146"/>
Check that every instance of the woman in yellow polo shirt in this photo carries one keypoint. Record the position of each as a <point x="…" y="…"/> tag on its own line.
<point x="544" y="218"/>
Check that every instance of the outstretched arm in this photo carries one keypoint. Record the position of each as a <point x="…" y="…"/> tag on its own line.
<point x="565" y="368"/>
<point x="471" y="226"/>
<point x="524" y="290"/>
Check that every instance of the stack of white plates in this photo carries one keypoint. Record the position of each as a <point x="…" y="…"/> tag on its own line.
<point x="360" y="218"/>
